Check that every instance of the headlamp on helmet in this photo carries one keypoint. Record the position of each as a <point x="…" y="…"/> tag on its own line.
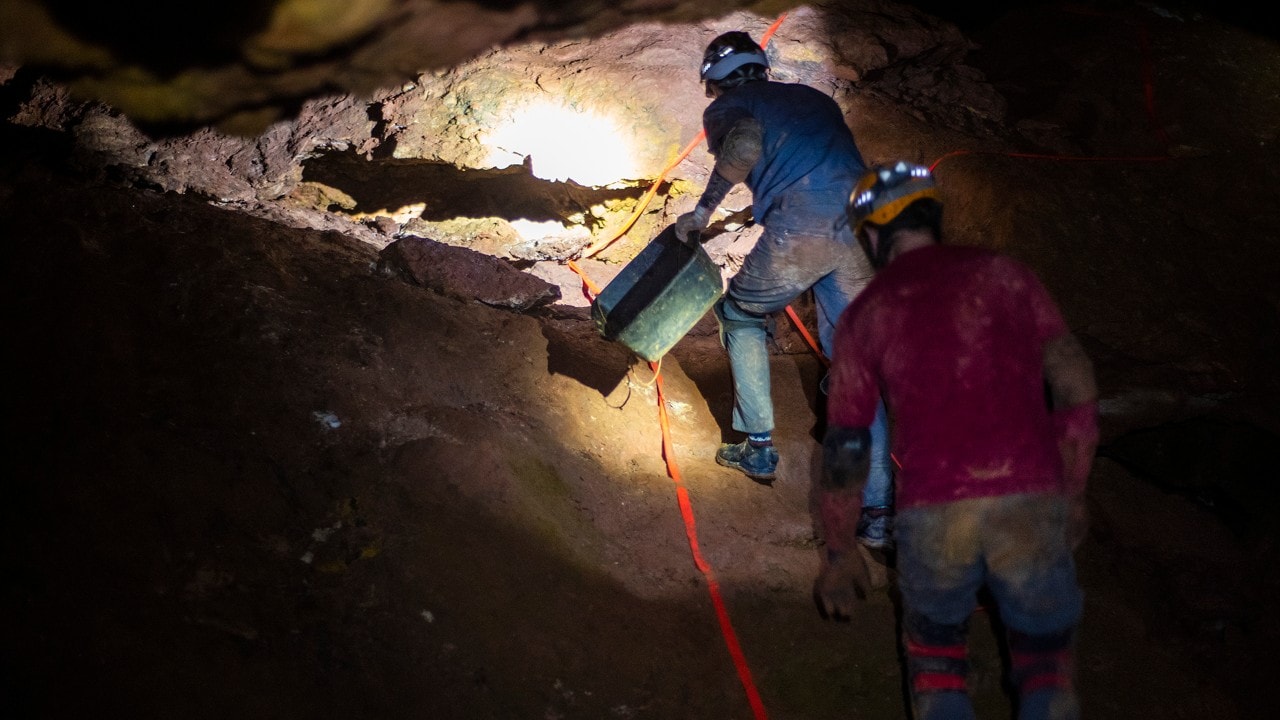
<point x="884" y="191"/>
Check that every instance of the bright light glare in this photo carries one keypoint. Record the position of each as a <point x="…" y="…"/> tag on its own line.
<point x="564" y="144"/>
<point x="530" y="230"/>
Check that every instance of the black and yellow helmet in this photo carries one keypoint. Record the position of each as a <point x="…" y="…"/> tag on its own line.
<point x="884" y="191"/>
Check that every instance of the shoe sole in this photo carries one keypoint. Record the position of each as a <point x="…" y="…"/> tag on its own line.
<point x="744" y="471"/>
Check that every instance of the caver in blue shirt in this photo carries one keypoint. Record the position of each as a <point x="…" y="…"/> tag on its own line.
<point x="789" y="144"/>
<point x="808" y="160"/>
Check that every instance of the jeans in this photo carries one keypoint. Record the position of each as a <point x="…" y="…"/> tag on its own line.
<point x="878" y="492"/>
<point x="784" y="264"/>
<point x="1015" y="545"/>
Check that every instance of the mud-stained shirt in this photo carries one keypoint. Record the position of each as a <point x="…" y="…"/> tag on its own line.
<point x="809" y="161"/>
<point x="954" y="337"/>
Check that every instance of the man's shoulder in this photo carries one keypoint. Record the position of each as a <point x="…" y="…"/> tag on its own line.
<point x="993" y="269"/>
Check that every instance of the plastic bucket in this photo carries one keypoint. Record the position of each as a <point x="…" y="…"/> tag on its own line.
<point x="658" y="297"/>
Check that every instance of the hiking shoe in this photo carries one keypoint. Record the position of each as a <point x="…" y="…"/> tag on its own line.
<point x="875" y="532"/>
<point x="758" y="462"/>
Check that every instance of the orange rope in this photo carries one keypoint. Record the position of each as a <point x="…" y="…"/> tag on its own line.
<point x="589" y="288"/>
<point x="764" y="39"/>
<point x="691" y="531"/>
<point x="795" y="320"/>
<point x="644" y="201"/>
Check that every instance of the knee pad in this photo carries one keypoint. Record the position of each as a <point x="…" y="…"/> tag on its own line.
<point x="1041" y="662"/>
<point x="937" y="655"/>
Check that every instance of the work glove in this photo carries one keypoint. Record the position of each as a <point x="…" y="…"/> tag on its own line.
<point x="690" y="225"/>
<point x="842" y="582"/>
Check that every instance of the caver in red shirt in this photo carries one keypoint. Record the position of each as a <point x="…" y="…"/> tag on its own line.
<point x="954" y="337"/>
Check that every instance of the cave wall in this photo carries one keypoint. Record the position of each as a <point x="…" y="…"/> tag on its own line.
<point x="1131" y="89"/>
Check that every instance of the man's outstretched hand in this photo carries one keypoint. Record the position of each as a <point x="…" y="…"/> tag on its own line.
<point x="842" y="582"/>
<point x="690" y="226"/>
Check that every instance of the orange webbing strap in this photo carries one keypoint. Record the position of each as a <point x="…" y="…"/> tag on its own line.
<point x="795" y="320"/>
<point x="591" y="290"/>
<point x="764" y="39"/>
<point x="691" y="531"/>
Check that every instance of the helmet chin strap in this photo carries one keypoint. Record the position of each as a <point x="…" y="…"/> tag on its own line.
<point x="877" y="249"/>
<point x="881" y="258"/>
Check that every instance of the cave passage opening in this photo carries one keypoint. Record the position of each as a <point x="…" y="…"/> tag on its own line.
<point x="502" y="211"/>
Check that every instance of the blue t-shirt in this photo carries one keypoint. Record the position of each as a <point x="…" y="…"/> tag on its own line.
<point x="809" y="162"/>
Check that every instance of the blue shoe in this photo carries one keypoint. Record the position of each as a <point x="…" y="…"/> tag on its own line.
<point x="758" y="462"/>
<point x="875" y="531"/>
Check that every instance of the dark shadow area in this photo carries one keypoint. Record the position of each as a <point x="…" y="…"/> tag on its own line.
<point x="1026" y="57"/>
<point x="601" y="368"/>
<point x="450" y="192"/>
<point x="210" y="517"/>
<point x="167" y="37"/>
<point x="23" y="148"/>
<point x="977" y="17"/>
<point x="1228" y="467"/>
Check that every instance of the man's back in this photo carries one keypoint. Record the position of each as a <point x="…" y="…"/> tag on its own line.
<point x="956" y="335"/>
<point x="808" y="157"/>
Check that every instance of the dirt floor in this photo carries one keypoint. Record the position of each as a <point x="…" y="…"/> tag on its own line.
<point x="254" y="477"/>
<point x="255" y="474"/>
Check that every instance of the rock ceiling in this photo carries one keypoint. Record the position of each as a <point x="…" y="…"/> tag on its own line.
<point x="242" y="64"/>
<point x="576" y="95"/>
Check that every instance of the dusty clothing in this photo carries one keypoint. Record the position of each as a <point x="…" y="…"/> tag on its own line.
<point x="808" y="164"/>
<point x="808" y="159"/>
<point x="955" y="338"/>
<point x="961" y="342"/>
<point x="1014" y="544"/>
<point x="783" y="265"/>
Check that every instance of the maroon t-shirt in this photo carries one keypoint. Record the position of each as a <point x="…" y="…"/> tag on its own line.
<point x="954" y="337"/>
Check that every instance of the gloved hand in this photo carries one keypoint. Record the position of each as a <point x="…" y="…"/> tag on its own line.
<point x="842" y="582"/>
<point x="690" y="225"/>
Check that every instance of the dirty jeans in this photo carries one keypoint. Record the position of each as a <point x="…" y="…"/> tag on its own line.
<point x="784" y="264"/>
<point x="1015" y="545"/>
